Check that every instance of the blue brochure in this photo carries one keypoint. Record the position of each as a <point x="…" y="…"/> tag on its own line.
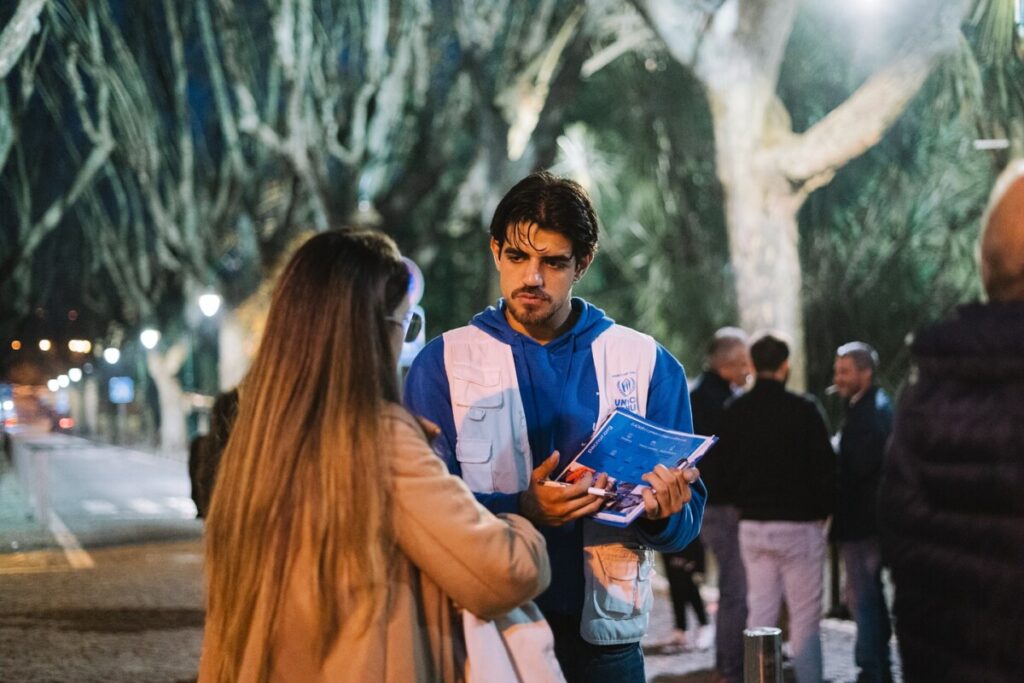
<point x="625" y="447"/>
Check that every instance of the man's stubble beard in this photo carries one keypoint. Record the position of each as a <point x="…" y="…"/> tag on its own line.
<point x="531" y="319"/>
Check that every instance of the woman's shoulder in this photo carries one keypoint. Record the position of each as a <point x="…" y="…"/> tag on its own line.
<point x="404" y="427"/>
<point x="398" y="413"/>
<point x="410" y="452"/>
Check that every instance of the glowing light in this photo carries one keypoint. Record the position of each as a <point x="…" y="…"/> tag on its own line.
<point x="44" y="344"/>
<point x="66" y="423"/>
<point x="80" y="346"/>
<point x="111" y="355"/>
<point x="63" y="381"/>
<point x="8" y="405"/>
<point x="209" y="304"/>
<point x="75" y="374"/>
<point x="16" y="344"/>
<point x="149" y="338"/>
<point x="52" y="385"/>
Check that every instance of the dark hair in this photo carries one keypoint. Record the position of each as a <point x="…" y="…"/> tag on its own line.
<point x="864" y="355"/>
<point x="768" y="352"/>
<point x="552" y="203"/>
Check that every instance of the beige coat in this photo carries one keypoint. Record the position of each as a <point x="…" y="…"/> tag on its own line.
<point x="450" y="549"/>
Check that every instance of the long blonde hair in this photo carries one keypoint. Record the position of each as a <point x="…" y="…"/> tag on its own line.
<point x="303" y="456"/>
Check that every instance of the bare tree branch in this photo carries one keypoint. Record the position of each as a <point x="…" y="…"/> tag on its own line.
<point x="18" y="33"/>
<point x="860" y="122"/>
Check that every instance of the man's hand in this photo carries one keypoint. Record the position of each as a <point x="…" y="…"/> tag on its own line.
<point x="557" y="505"/>
<point x="669" y="492"/>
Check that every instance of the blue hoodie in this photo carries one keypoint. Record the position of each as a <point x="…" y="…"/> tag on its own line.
<point x="558" y="385"/>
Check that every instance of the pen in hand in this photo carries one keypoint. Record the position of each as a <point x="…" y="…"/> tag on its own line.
<point x="593" y="490"/>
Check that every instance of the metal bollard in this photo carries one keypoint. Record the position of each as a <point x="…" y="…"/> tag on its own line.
<point x="762" y="655"/>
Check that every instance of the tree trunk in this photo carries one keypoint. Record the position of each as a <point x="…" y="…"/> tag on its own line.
<point x="760" y="213"/>
<point x="91" y="406"/>
<point x="163" y="368"/>
<point x="766" y="170"/>
<point x="233" y="354"/>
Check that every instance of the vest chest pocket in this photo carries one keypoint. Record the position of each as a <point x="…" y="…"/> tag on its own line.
<point x="619" y="580"/>
<point x="476" y="463"/>
<point x="477" y="387"/>
<point x="478" y="396"/>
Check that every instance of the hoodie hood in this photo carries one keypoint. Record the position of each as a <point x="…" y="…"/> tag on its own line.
<point x="591" y="322"/>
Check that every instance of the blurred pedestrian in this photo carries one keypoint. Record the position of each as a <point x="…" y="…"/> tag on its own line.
<point x="725" y="376"/>
<point x="681" y="569"/>
<point x="336" y="539"/>
<point x="951" y="504"/>
<point x="786" y="481"/>
<point x="206" y="450"/>
<point x="862" y="442"/>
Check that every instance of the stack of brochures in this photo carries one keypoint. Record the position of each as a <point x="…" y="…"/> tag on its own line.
<point x="625" y="447"/>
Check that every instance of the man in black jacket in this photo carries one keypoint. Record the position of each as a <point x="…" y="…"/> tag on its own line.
<point x="862" y="442"/>
<point x="786" y="478"/>
<point x="951" y="504"/>
<point x="727" y="373"/>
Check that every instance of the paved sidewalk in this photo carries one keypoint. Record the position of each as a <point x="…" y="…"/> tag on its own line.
<point x="22" y="535"/>
<point x="670" y="664"/>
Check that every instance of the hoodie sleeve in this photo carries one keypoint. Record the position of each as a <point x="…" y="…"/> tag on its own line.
<point x="668" y="404"/>
<point x="427" y="394"/>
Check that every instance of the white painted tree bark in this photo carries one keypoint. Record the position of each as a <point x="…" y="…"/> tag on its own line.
<point x="163" y="369"/>
<point x="18" y="32"/>
<point x="233" y="351"/>
<point x="766" y="170"/>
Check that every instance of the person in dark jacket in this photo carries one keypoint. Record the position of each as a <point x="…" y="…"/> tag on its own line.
<point x="727" y="373"/>
<point x="786" y="482"/>
<point x="862" y="442"/>
<point x="205" y="451"/>
<point x="951" y="505"/>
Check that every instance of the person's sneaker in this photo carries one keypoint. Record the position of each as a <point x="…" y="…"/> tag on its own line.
<point x="705" y="637"/>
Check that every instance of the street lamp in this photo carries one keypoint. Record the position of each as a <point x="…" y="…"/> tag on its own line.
<point x="111" y="355"/>
<point x="150" y="338"/>
<point x="44" y="344"/>
<point x="209" y="304"/>
<point x="75" y="374"/>
<point x="63" y="381"/>
<point x="53" y="385"/>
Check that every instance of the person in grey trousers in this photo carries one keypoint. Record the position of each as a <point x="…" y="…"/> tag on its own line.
<point x="726" y="374"/>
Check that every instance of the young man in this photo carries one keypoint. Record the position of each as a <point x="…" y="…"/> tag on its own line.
<point x="519" y="390"/>
<point x="862" y="443"/>
<point x="785" y="466"/>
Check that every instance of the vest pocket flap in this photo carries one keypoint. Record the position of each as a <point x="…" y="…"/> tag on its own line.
<point x="476" y="387"/>
<point x="619" y="564"/>
<point x="473" y="451"/>
<point x="485" y="377"/>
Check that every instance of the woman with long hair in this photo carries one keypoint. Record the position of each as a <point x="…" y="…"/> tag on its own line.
<point x="336" y="540"/>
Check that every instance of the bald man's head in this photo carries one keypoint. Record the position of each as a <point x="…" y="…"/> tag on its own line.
<point x="1002" y="242"/>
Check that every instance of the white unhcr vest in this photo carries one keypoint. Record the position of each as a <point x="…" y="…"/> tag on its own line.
<point x="493" y="450"/>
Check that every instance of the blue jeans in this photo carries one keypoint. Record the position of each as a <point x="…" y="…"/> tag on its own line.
<point x="585" y="663"/>
<point x="863" y="563"/>
<point x="720" y="532"/>
<point x="787" y="559"/>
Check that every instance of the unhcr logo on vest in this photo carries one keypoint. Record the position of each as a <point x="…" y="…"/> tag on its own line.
<point x="625" y="386"/>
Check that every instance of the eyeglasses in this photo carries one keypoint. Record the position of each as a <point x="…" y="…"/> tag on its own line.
<point x="411" y="324"/>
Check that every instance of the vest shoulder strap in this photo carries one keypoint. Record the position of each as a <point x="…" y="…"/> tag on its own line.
<point x="624" y="363"/>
